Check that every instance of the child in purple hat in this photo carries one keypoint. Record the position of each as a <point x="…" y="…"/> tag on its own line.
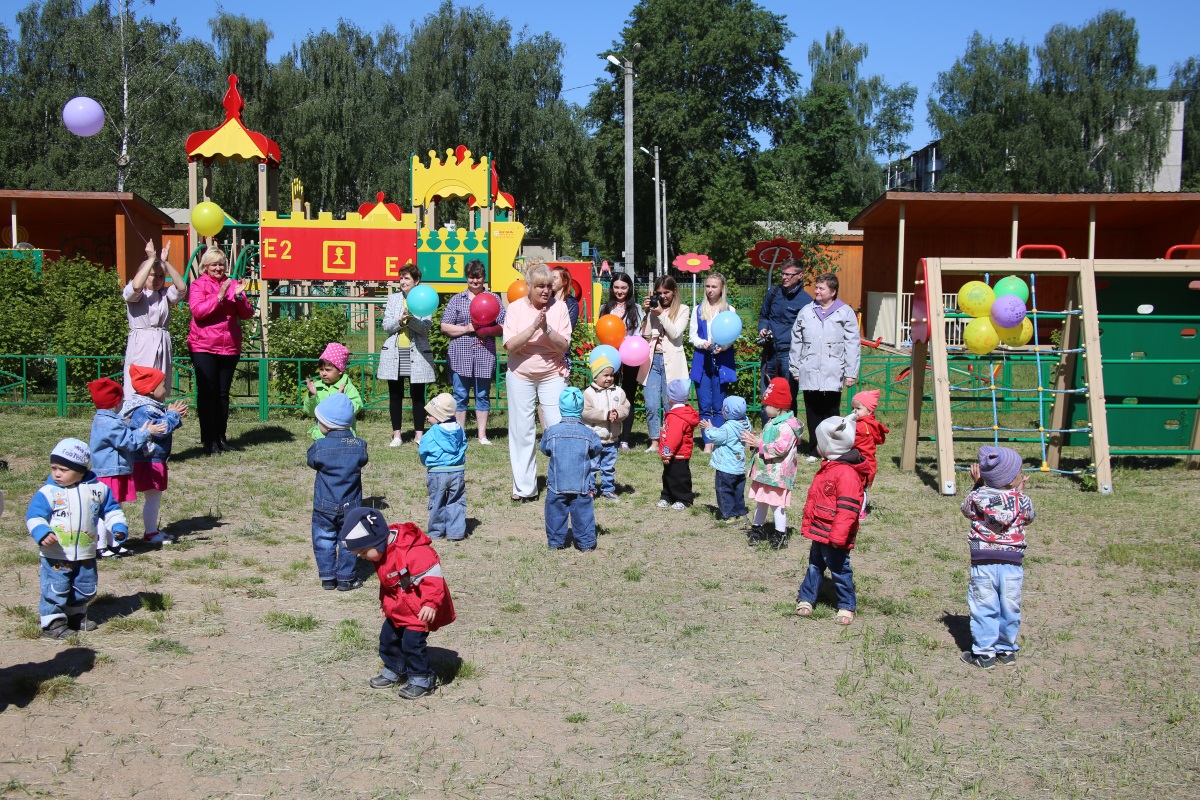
<point x="999" y="512"/>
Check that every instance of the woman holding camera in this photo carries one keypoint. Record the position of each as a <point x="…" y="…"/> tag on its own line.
<point x="665" y="325"/>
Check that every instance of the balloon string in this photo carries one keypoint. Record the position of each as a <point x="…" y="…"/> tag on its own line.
<point x="130" y="218"/>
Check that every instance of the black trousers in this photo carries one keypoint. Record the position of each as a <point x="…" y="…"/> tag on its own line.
<point x="629" y="384"/>
<point x="818" y="407"/>
<point x="214" y="377"/>
<point x="677" y="482"/>
<point x="396" y="403"/>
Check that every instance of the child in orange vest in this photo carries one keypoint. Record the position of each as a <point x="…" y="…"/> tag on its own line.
<point x="869" y="433"/>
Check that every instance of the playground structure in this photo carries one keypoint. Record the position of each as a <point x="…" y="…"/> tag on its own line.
<point x="1144" y="312"/>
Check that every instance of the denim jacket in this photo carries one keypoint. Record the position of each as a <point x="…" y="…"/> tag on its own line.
<point x="338" y="460"/>
<point x="142" y="410"/>
<point x="571" y="446"/>
<point x="113" y="443"/>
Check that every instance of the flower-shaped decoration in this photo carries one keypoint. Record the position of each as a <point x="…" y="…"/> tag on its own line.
<point x="692" y="262"/>
<point x="771" y="253"/>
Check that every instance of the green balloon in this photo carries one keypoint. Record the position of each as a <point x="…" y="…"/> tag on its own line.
<point x="1014" y="286"/>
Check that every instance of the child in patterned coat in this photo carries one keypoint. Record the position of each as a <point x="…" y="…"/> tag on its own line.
<point x="776" y="455"/>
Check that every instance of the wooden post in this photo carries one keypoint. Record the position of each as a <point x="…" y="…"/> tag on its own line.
<point x="13" y="222"/>
<point x="900" y="280"/>
<point x="916" y="396"/>
<point x="944" y="429"/>
<point x="1012" y="249"/>
<point x="193" y="189"/>
<point x="1095" y="374"/>
<point x="262" y="188"/>
<point x="1064" y="378"/>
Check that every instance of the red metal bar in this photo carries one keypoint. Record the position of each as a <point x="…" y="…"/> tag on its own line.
<point x="1171" y="250"/>
<point x="1061" y="252"/>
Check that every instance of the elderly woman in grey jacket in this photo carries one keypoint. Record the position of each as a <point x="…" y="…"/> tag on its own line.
<point x="825" y="354"/>
<point x="406" y="354"/>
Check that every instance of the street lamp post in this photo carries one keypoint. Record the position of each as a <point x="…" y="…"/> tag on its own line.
<point x="659" y="260"/>
<point x="627" y="65"/>
<point x="666" y="238"/>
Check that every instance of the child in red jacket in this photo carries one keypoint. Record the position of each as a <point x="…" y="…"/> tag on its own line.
<point x="831" y="517"/>
<point x="412" y="592"/>
<point x="675" y="447"/>
<point x="869" y="433"/>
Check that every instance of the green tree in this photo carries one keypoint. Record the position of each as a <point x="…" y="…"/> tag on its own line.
<point x="1185" y="86"/>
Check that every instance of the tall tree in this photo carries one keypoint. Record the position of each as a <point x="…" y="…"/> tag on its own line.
<point x="1185" y="86"/>
<point x="711" y="78"/>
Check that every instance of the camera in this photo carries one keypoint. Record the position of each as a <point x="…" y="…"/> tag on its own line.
<point x="766" y="338"/>
<point x="655" y="301"/>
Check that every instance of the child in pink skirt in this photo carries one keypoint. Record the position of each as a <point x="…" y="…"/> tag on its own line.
<point x="150" y="461"/>
<point x="112" y="445"/>
<point x="775" y="460"/>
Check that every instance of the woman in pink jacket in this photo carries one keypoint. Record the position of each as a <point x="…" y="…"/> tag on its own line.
<point x="215" y="343"/>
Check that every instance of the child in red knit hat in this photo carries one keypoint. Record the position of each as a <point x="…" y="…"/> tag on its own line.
<point x="776" y="456"/>
<point x="869" y="433"/>
<point x="150" y="461"/>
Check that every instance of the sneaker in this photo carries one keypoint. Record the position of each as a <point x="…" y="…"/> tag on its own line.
<point x="158" y="537"/>
<point x="396" y="442"/>
<point x="485" y="442"/>
<point x="624" y="445"/>
<point x="777" y="539"/>
<point x="382" y="681"/>
<point x="811" y="459"/>
<point x="120" y="551"/>
<point x="663" y="504"/>
<point x="1006" y="657"/>
<point x="611" y="496"/>
<point x="350" y="585"/>
<point x="56" y="630"/>
<point x="106" y="553"/>
<point x="983" y="662"/>
<point x="652" y="448"/>
<point x="756" y="534"/>
<point x="411" y="691"/>
<point x="80" y="622"/>
<point x="678" y="507"/>
<point x="329" y="585"/>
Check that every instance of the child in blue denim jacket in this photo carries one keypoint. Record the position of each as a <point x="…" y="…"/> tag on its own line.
<point x="571" y="446"/>
<point x="112" y="444"/>
<point x="729" y="458"/>
<point x="150" y="471"/>
<point x="443" y="451"/>
<point x="338" y="457"/>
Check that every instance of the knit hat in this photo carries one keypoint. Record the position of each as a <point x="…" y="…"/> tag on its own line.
<point x="337" y="354"/>
<point x="778" y="394"/>
<point x="835" y="436"/>
<point x="734" y="408"/>
<point x="570" y="402"/>
<point x="106" y="393"/>
<point x="677" y="391"/>
<point x="441" y="408"/>
<point x="868" y="399"/>
<point x="335" y="412"/>
<point x="998" y="466"/>
<point x="363" y="529"/>
<point x="145" y="379"/>
<point x="599" y="362"/>
<point x="72" y="454"/>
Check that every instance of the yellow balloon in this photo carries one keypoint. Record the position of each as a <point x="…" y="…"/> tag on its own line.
<point x="1018" y="336"/>
<point x="976" y="298"/>
<point x="980" y="336"/>
<point x="208" y="219"/>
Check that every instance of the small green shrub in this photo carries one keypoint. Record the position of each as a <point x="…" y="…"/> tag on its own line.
<point x="301" y="338"/>
<point x="299" y="623"/>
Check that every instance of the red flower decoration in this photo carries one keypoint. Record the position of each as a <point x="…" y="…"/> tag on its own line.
<point x="692" y="262"/>
<point x="773" y="252"/>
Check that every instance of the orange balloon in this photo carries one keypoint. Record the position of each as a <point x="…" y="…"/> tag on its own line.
<point x="517" y="290"/>
<point x="610" y="330"/>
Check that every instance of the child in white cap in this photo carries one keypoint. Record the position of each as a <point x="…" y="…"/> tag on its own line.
<point x="999" y="511"/>
<point x="443" y="451"/>
<point x="62" y="519"/>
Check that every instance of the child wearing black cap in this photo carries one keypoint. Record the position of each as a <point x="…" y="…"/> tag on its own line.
<point x="999" y="511"/>
<point x="412" y="592"/>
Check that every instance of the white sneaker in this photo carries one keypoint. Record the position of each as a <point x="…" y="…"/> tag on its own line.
<point x="678" y="506"/>
<point x="396" y="442"/>
<point x="119" y="551"/>
<point x="811" y="459"/>
<point x="652" y="448"/>
<point x="158" y="537"/>
<point x="106" y="553"/>
<point x="485" y="442"/>
<point x="663" y="504"/>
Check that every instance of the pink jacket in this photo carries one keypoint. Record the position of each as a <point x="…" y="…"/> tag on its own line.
<point x="215" y="327"/>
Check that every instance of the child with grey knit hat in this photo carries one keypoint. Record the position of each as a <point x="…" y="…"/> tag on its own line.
<point x="999" y="511"/>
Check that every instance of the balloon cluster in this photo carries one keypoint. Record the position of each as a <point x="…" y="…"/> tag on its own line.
<point x="999" y="314"/>
<point x="634" y="350"/>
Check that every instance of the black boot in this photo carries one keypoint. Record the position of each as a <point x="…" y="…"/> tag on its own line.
<point x="778" y="539"/>
<point x="56" y="630"/>
<point x="756" y="534"/>
<point x="80" y="622"/>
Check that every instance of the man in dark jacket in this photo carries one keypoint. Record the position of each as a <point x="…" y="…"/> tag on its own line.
<point x="778" y="315"/>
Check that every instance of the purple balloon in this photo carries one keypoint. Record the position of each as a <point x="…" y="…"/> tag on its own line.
<point x="1008" y="311"/>
<point x="83" y="116"/>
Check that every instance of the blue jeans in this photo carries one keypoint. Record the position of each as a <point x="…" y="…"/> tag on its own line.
<point x="994" y="597"/>
<point x="447" y="505"/>
<point x="334" y="561"/>
<point x="605" y="465"/>
<point x="403" y="652"/>
<point x="655" y="392"/>
<point x="837" y="560"/>
<point x="710" y="396"/>
<point x="67" y="588"/>
<point x="731" y="494"/>
<point x="581" y="512"/>
<point x="461" y="386"/>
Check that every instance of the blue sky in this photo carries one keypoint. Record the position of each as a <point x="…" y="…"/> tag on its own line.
<point x="907" y="42"/>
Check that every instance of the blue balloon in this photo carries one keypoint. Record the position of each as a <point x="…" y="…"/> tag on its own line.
<point x="726" y="328"/>
<point x="422" y="300"/>
<point x="606" y="352"/>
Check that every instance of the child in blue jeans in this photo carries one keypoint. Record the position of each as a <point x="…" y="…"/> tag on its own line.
<point x="571" y="446"/>
<point x="729" y="458"/>
<point x="338" y="457"/>
<point x="443" y="451"/>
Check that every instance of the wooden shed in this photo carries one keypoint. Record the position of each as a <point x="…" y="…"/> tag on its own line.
<point x="109" y="228"/>
<point x="901" y="228"/>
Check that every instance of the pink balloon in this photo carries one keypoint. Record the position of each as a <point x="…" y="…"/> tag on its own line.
<point x="484" y="309"/>
<point x="634" y="351"/>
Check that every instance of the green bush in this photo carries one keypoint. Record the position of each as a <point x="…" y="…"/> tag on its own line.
<point x="301" y="338"/>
